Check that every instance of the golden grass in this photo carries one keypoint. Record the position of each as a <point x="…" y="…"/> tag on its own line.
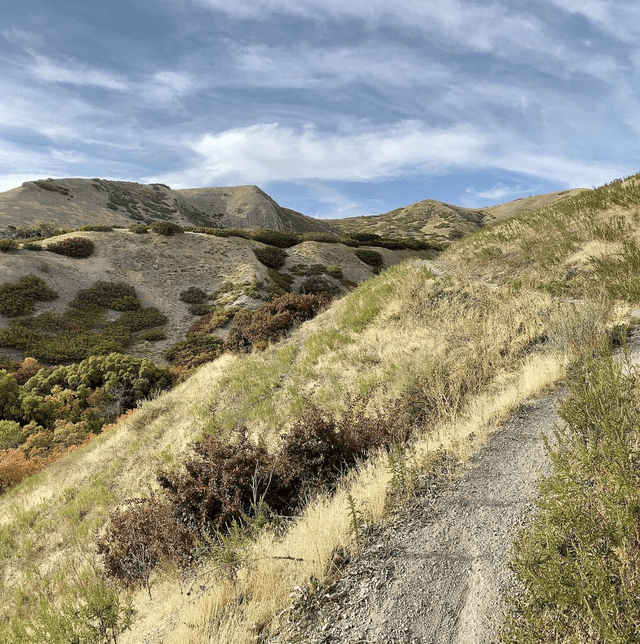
<point x="465" y="354"/>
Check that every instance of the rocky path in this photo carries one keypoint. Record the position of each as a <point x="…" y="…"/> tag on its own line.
<point x="436" y="573"/>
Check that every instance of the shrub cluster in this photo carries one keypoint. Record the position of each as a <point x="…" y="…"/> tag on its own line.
<point x="578" y="561"/>
<point x="371" y="257"/>
<point x="269" y="322"/>
<point x="251" y="329"/>
<point x="225" y="480"/>
<point x="193" y="295"/>
<point x="118" y="296"/>
<point x="57" y="408"/>
<point x="278" y="238"/>
<point x="100" y="228"/>
<point x="29" y="245"/>
<point x="7" y="245"/>
<point x="78" y="247"/>
<point x="318" y="284"/>
<point x="19" y="298"/>
<point x="139" y="229"/>
<point x="166" y="228"/>
<point x="271" y="256"/>
<point x="196" y="350"/>
<point x="140" y="537"/>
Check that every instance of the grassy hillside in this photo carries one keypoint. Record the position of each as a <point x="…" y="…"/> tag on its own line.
<point x="442" y="359"/>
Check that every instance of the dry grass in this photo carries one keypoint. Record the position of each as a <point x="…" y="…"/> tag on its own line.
<point x="464" y="354"/>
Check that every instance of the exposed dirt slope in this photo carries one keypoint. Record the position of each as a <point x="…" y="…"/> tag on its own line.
<point x="71" y="203"/>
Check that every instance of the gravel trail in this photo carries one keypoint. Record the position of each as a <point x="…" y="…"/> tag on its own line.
<point x="435" y="574"/>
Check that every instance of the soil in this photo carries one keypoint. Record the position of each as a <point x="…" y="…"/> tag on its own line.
<point x="437" y="572"/>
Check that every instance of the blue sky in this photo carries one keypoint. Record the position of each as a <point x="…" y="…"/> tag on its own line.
<point x="335" y="108"/>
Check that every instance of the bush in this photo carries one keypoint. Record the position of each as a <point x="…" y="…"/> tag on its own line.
<point x="199" y="309"/>
<point x="326" y="238"/>
<point x="117" y="296"/>
<point x="77" y="247"/>
<point x="318" y="284"/>
<point x="140" y="537"/>
<point x="100" y="228"/>
<point x="271" y="321"/>
<point x="154" y="335"/>
<point x="31" y="246"/>
<point x="278" y="283"/>
<point x="166" y="228"/>
<point x="139" y="229"/>
<point x="278" y="238"/>
<point x="193" y="295"/>
<point x="335" y="272"/>
<point x="271" y="256"/>
<point x="366" y="238"/>
<point x="216" y="486"/>
<point x="371" y="257"/>
<point x="15" y="468"/>
<point x="19" y="298"/>
<point x="212" y="320"/>
<point x="197" y="349"/>
<point x="10" y="434"/>
<point x="142" y="319"/>
<point x="7" y="245"/>
<point x="578" y="560"/>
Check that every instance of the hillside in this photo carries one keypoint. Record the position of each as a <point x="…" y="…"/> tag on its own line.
<point x="440" y="222"/>
<point x="393" y="386"/>
<point x="71" y="203"/>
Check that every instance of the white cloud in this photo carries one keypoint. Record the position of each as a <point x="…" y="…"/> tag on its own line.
<point x="271" y="152"/>
<point x="75" y="73"/>
<point x="267" y="153"/>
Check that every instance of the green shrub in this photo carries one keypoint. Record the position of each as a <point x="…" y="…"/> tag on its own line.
<point x="78" y="247"/>
<point x="100" y="228"/>
<point x="139" y="229"/>
<point x="269" y="322"/>
<point x="335" y="272"/>
<point x="31" y="246"/>
<point x="199" y="309"/>
<point x="117" y="296"/>
<point x="166" y="228"/>
<point x="279" y="238"/>
<point x="371" y="257"/>
<point x="366" y="238"/>
<point x="326" y="238"/>
<point x="193" y="295"/>
<point x="154" y="335"/>
<point x="218" y="232"/>
<point x="578" y="561"/>
<point x="212" y="320"/>
<point x="318" y="284"/>
<point x="278" y="283"/>
<point x="91" y="612"/>
<point x="271" y="256"/>
<point x="7" y="245"/>
<point x="196" y="350"/>
<point x="140" y="319"/>
<point x="19" y="298"/>
<point x="10" y="434"/>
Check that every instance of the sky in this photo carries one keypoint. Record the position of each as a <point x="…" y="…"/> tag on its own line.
<point x="335" y="108"/>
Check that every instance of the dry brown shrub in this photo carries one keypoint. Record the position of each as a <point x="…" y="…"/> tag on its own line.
<point x="15" y="468"/>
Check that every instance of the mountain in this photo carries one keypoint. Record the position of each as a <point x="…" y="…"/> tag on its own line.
<point x="71" y="203"/>
<point x="436" y="221"/>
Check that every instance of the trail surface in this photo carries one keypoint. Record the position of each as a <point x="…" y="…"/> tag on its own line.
<point x="437" y="574"/>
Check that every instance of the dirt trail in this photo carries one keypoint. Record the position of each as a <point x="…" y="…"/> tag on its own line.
<point x="435" y="574"/>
